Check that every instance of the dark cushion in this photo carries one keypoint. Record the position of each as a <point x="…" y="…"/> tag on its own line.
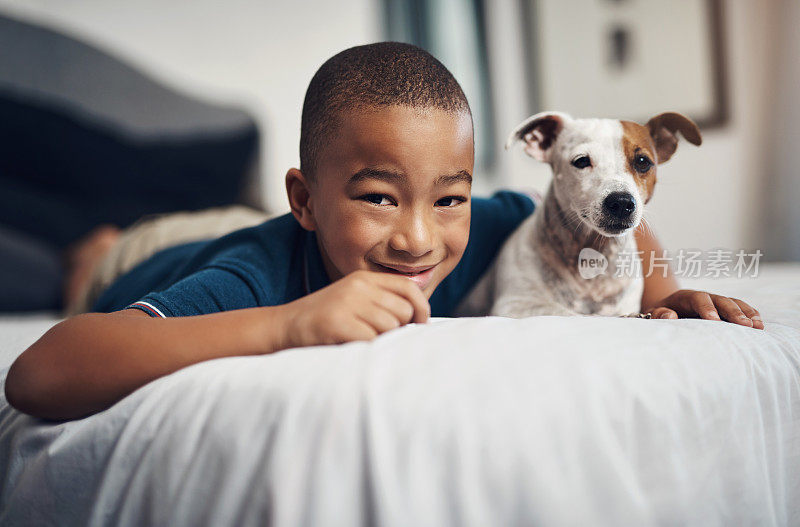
<point x="60" y="177"/>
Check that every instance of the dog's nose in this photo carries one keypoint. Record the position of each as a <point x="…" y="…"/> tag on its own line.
<point x="619" y="205"/>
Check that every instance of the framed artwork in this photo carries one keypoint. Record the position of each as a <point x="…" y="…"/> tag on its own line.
<point x="627" y="59"/>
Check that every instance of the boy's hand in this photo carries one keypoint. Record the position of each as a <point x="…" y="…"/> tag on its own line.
<point x="359" y="306"/>
<point x="687" y="303"/>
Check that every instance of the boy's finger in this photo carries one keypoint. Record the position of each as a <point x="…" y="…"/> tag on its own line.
<point x="751" y="313"/>
<point x="730" y="311"/>
<point x="356" y="329"/>
<point x="380" y="319"/>
<point x="701" y="305"/>
<point x="663" y="312"/>
<point x="396" y="304"/>
<point x="408" y="289"/>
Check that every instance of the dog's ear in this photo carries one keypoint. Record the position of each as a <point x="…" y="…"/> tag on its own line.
<point x="663" y="129"/>
<point x="538" y="132"/>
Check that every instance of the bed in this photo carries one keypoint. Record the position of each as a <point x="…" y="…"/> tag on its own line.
<point x="478" y="421"/>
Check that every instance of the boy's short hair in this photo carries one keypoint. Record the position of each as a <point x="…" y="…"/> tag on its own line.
<point x="380" y="74"/>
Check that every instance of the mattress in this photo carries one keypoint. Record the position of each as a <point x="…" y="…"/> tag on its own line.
<point x="475" y="421"/>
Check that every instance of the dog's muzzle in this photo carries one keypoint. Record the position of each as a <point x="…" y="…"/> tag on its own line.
<point x="618" y="211"/>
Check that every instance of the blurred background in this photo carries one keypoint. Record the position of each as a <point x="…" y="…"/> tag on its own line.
<point x="111" y="110"/>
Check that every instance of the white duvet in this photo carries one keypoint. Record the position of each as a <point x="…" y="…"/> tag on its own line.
<point x="543" y="421"/>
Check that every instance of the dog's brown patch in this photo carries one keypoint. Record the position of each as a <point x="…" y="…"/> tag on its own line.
<point x="636" y="140"/>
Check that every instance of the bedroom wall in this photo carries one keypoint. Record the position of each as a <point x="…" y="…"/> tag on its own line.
<point x="705" y="197"/>
<point x="261" y="55"/>
<point x="782" y="191"/>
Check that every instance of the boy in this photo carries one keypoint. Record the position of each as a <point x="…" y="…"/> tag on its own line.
<point x="381" y="216"/>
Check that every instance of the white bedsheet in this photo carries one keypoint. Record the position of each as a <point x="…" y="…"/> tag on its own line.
<point x="544" y="421"/>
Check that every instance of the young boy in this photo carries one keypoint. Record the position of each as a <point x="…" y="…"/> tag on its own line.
<point x="382" y="232"/>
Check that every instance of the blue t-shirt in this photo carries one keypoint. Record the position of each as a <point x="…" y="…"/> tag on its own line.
<point x="278" y="261"/>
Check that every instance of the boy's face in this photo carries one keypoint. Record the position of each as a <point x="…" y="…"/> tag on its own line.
<point x="391" y="193"/>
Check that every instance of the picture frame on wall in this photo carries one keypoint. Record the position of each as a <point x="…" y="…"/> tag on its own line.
<point x="627" y="59"/>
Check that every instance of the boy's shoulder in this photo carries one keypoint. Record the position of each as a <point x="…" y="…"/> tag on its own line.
<point x="272" y="241"/>
<point x="256" y="263"/>
<point x="506" y="206"/>
<point x="270" y="245"/>
<point x="278" y="259"/>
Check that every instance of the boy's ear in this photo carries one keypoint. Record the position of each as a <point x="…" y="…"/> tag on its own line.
<point x="299" y="193"/>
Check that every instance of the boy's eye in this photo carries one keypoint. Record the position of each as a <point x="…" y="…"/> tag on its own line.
<point x="377" y="199"/>
<point x="450" y="201"/>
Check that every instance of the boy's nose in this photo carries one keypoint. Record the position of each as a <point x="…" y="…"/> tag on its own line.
<point x="412" y="236"/>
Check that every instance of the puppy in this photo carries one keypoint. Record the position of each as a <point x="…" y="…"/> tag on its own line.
<point x="604" y="172"/>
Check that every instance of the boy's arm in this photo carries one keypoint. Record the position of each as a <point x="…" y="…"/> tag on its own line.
<point x="89" y="362"/>
<point x="86" y="363"/>
<point x="662" y="297"/>
<point x="659" y="284"/>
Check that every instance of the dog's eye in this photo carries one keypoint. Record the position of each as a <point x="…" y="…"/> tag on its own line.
<point x="581" y="162"/>
<point x="642" y="163"/>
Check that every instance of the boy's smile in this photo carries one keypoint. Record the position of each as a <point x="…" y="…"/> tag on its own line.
<point x="391" y="193"/>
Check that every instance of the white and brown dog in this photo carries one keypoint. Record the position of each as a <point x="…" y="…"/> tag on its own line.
<point x="604" y="172"/>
